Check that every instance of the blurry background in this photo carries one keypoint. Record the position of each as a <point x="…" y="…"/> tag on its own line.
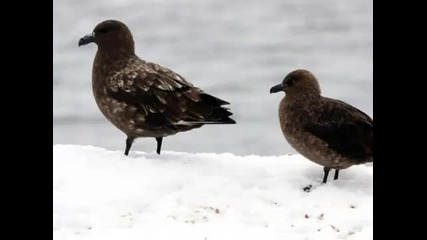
<point x="233" y="49"/>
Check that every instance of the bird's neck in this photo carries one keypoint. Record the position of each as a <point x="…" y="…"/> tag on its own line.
<point x="111" y="61"/>
<point x="304" y="100"/>
<point x="294" y="112"/>
<point x="106" y="54"/>
<point x="106" y="64"/>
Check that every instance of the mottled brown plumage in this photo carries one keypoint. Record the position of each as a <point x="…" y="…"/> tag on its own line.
<point x="141" y="98"/>
<point x="327" y="131"/>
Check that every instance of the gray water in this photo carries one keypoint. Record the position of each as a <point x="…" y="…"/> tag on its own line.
<point x="233" y="49"/>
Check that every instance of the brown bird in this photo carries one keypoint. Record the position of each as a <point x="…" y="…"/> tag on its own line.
<point x="141" y="98"/>
<point x="326" y="131"/>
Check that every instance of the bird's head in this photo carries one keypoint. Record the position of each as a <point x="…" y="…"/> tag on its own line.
<point x="111" y="34"/>
<point x="300" y="81"/>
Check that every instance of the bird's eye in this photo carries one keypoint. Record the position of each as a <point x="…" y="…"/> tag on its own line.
<point x="289" y="82"/>
<point x="103" y="30"/>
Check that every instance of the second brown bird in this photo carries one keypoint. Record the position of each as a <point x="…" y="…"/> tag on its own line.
<point x="326" y="131"/>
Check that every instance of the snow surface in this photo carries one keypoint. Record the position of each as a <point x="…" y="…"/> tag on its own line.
<point x="100" y="194"/>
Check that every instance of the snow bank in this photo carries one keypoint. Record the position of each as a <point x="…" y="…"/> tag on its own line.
<point x="100" y="194"/>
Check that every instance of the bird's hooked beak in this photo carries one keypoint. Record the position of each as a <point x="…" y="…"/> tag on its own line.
<point x="87" y="39"/>
<point x="277" y="88"/>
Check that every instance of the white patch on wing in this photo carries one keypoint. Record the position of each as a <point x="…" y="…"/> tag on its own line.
<point x="139" y="130"/>
<point x="193" y="123"/>
<point x="184" y="123"/>
<point x="161" y="99"/>
<point x="165" y="86"/>
<point x="177" y="77"/>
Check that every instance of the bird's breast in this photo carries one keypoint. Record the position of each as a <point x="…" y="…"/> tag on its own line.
<point x="119" y="113"/>
<point x="292" y="121"/>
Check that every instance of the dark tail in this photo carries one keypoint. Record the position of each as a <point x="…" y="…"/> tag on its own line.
<point x="220" y="115"/>
<point x="210" y="111"/>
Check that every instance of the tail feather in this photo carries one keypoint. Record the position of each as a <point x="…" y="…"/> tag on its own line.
<point x="209" y="111"/>
<point x="211" y="100"/>
<point x="225" y="121"/>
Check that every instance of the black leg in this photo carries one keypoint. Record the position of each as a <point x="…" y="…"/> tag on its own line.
<point x="159" y="144"/>
<point x="129" y="142"/>
<point x="336" y="174"/>
<point x="325" y="177"/>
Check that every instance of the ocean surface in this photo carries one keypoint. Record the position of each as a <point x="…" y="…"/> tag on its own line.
<point x="233" y="49"/>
